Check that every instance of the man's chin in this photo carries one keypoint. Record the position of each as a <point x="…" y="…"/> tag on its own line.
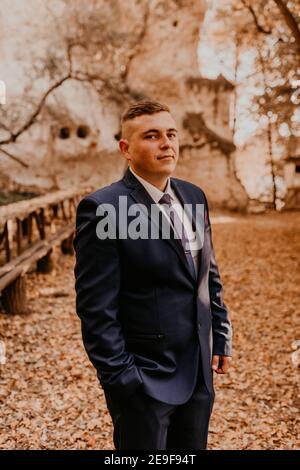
<point x="167" y="170"/>
<point x="166" y="163"/>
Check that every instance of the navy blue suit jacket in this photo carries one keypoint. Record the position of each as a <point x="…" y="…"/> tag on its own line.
<point x="146" y="320"/>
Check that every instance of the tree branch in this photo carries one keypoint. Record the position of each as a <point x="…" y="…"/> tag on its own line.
<point x="13" y="157"/>
<point x="290" y="20"/>
<point x="70" y="46"/>
<point x="136" y="49"/>
<point x="259" y="27"/>
<point x="3" y="126"/>
<point x="69" y="55"/>
<point x="83" y="77"/>
<point x="31" y="120"/>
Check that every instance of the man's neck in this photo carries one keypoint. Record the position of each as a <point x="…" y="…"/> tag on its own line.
<point x="160" y="182"/>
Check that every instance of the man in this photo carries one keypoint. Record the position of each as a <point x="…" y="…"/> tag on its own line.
<point x="154" y="323"/>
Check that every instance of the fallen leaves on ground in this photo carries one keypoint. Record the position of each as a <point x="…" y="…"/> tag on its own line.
<point x="49" y="393"/>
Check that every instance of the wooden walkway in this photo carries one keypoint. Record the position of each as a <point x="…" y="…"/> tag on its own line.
<point x="29" y="231"/>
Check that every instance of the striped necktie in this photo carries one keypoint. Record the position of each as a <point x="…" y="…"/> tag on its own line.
<point x="179" y="229"/>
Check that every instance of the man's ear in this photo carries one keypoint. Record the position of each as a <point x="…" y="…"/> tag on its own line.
<point x="124" y="146"/>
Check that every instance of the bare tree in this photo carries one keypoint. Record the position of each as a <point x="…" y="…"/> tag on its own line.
<point x="289" y="20"/>
<point x="271" y="28"/>
<point x="87" y="44"/>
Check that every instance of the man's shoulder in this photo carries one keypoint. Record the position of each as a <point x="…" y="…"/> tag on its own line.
<point x="189" y="187"/>
<point x="108" y="194"/>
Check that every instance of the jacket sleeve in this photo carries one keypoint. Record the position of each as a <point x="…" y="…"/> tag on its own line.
<point x="221" y="324"/>
<point x="97" y="284"/>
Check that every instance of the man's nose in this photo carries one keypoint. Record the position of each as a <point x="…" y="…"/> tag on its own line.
<point x="165" y="142"/>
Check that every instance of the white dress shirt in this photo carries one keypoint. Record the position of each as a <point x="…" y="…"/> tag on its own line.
<point x="156" y="194"/>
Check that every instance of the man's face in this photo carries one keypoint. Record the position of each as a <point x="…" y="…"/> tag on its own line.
<point x="150" y="144"/>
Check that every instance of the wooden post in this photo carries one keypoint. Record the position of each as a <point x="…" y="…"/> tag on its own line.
<point x="24" y="223"/>
<point x="46" y="264"/>
<point x="71" y="208"/>
<point x="8" y="239"/>
<point x="63" y="211"/>
<point x="3" y="235"/>
<point x="14" y="297"/>
<point x="19" y="237"/>
<point x="55" y="210"/>
<point x="29" y="229"/>
<point x="40" y="222"/>
<point x="67" y="246"/>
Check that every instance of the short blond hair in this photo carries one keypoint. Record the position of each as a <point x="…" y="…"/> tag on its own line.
<point x="143" y="107"/>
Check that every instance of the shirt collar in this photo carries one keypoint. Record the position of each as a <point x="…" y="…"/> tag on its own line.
<point x="154" y="192"/>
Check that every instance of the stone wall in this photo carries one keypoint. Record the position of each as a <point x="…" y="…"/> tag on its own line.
<point x="149" y="50"/>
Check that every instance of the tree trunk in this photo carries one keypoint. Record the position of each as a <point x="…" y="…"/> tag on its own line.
<point x="290" y="20"/>
<point x="14" y="297"/>
<point x="46" y="264"/>
<point x="270" y="146"/>
<point x="67" y="246"/>
<point x="269" y="134"/>
<point x="236" y="69"/>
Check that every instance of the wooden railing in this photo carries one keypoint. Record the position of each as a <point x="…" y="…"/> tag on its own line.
<point x="29" y="232"/>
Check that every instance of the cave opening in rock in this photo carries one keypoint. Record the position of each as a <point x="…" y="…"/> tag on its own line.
<point x="118" y="136"/>
<point x="83" y="131"/>
<point x="64" y="133"/>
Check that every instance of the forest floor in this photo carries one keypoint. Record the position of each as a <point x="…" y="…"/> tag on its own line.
<point x="49" y="393"/>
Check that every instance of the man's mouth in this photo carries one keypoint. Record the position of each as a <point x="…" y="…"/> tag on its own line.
<point x="165" y="157"/>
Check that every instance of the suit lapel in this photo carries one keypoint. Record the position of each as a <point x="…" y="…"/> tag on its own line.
<point x="141" y="196"/>
<point x="184" y="198"/>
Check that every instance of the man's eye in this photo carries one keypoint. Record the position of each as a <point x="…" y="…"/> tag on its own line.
<point x="150" y="136"/>
<point x="172" y="136"/>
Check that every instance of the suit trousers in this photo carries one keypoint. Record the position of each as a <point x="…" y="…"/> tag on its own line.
<point x="144" y="423"/>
